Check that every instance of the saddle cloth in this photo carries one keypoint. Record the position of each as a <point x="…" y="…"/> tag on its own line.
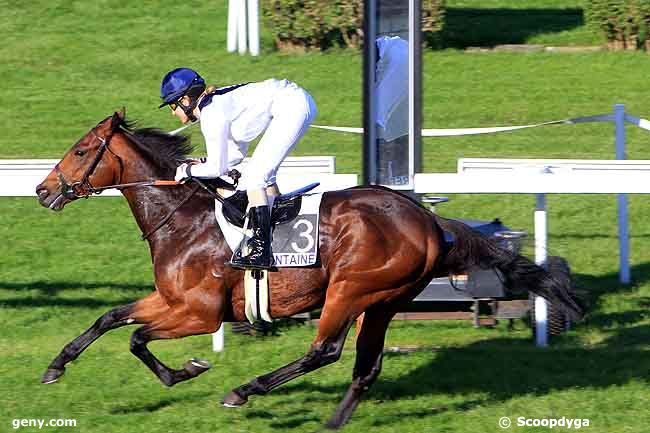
<point x="295" y="244"/>
<point x="295" y="241"/>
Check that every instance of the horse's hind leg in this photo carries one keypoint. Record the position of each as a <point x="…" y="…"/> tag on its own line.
<point x="333" y="327"/>
<point x="370" y="345"/>
<point x="114" y="318"/>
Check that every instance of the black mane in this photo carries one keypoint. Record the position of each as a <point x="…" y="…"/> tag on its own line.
<point x="164" y="150"/>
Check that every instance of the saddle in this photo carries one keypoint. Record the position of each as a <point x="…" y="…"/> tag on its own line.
<point x="286" y="207"/>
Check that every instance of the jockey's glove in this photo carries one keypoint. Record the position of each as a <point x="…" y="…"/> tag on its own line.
<point x="183" y="173"/>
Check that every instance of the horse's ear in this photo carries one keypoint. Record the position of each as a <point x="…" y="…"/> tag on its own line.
<point x="118" y="117"/>
<point x="120" y="114"/>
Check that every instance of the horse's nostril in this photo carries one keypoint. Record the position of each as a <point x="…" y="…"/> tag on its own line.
<point x="41" y="192"/>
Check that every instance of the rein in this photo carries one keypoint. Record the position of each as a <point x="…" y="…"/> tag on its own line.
<point x="167" y="217"/>
<point x="198" y="184"/>
<point x="136" y="184"/>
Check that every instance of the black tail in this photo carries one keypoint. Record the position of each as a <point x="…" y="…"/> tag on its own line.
<point x="521" y="274"/>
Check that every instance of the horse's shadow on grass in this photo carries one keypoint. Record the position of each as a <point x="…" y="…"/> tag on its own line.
<point x="157" y="405"/>
<point x="292" y="419"/>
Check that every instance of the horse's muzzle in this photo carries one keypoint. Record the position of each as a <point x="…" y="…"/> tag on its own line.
<point x="52" y="200"/>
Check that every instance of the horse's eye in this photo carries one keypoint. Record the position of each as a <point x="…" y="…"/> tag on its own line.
<point x="80" y="152"/>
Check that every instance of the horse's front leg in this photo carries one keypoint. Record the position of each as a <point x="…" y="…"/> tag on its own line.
<point x="114" y="318"/>
<point x="181" y="321"/>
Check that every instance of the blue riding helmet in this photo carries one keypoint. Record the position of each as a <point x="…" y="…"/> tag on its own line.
<point x="177" y="83"/>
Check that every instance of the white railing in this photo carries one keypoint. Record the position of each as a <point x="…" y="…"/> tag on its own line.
<point x="575" y="166"/>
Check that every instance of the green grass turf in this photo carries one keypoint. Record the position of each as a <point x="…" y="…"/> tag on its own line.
<point x="66" y="65"/>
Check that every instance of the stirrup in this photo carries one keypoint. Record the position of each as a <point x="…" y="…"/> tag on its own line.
<point x="248" y="266"/>
<point x="239" y="261"/>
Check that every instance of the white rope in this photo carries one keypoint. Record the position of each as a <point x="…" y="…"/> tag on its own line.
<point x="455" y="132"/>
<point x="449" y="132"/>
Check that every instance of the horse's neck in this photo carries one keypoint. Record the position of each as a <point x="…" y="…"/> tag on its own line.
<point x="151" y="204"/>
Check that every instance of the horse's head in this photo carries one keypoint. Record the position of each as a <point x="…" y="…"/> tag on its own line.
<point x="89" y="164"/>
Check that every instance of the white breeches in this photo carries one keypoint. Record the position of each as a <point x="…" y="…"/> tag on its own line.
<point x="293" y="110"/>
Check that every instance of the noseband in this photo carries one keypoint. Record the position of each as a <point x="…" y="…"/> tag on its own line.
<point x="83" y="188"/>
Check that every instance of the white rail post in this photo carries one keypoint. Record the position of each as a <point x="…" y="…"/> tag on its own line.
<point x="254" y="27"/>
<point x="541" y="313"/>
<point x="233" y="18"/>
<point x="241" y="27"/>
<point x="218" y="340"/>
<point x="623" y="231"/>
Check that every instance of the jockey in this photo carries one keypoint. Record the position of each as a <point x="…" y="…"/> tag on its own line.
<point x="231" y="117"/>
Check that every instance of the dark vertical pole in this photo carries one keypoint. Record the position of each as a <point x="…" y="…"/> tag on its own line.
<point x="621" y="199"/>
<point x="369" y="102"/>
<point x="415" y="78"/>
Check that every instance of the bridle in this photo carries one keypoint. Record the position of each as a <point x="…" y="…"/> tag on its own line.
<point x="83" y="188"/>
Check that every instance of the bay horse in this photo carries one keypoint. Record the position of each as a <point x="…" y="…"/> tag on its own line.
<point x="378" y="249"/>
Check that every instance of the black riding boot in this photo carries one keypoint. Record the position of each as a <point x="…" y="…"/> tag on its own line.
<point x="259" y="245"/>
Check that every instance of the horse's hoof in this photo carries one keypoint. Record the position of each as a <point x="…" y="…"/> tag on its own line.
<point x="52" y="375"/>
<point x="196" y="366"/>
<point x="232" y="399"/>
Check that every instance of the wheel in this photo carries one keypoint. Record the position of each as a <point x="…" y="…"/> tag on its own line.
<point x="557" y="321"/>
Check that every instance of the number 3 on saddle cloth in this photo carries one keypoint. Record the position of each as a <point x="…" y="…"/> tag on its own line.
<point x="294" y="228"/>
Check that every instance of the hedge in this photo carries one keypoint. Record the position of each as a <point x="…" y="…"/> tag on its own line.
<point x="322" y="24"/>
<point x="624" y="23"/>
